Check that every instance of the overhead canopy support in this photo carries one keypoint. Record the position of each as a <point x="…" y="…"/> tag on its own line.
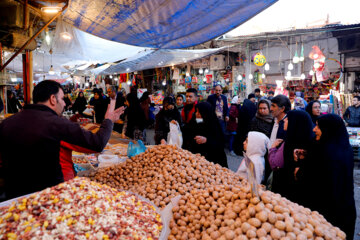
<point x="163" y="23"/>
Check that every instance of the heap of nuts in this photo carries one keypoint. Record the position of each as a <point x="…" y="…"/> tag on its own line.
<point x="80" y="209"/>
<point x="230" y="212"/>
<point x="163" y="172"/>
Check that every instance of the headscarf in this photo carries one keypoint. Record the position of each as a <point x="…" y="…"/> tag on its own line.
<point x="210" y="120"/>
<point x="135" y="114"/>
<point x="298" y="136"/>
<point x="308" y="109"/>
<point x="333" y="130"/>
<point x="235" y="100"/>
<point x="331" y="174"/>
<point x="299" y="132"/>
<point x="299" y="104"/>
<point x="268" y="118"/>
<point x="256" y="150"/>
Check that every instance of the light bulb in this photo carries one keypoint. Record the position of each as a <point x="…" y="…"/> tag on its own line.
<point x="87" y="84"/>
<point x="239" y="78"/>
<point x="128" y="69"/>
<point x="311" y="72"/>
<point x="288" y="74"/>
<point x="47" y="39"/>
<point x="290" y="66"/>
<point x="206" y="70"/>
<point x="301" y="58"/>
<point x="263" y="75"/>
<point x="111" y="76"/>
<point x="267" y="67"/>
<point x="128" y="82"/>
<point x="251" y="76"/>
<point x="116" y="79"/>
<point x="51" y="9"/>
<point x="296" y="59"/>
<point x="66" y="35"/>
<point x="164" y="83"/>
<point x="316" y="65"/>
<point x="302" y="76"/>
<point x="51" y="70"/>
<point x="201" y="71"/>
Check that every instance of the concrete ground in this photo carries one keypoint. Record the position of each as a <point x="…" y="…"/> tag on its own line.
<point x="234" y="162"/>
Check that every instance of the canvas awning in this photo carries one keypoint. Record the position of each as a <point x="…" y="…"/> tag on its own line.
<point x="163" y="23"/>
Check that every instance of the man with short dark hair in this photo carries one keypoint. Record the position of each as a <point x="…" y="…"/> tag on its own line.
<point x="37" y="131"/>
<point x="352" y="113"/>
<point x="280" y="106"/>
<point x="179" y="102"/>
<point x="220" y="106"/>
<point x="115" y="100"/>
<point x="188" y="118"/>
<point x="270" y="95"/>
<point x="257" y="95"/>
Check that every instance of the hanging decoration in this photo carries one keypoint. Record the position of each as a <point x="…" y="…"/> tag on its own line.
<point x="296" y="58"/>
<point x="319" y="64"/>
<point x="259" y="59"/>
<point x="302" y="58"/>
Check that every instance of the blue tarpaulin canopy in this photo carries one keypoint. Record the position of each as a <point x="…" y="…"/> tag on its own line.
<point x="161" y="23"/>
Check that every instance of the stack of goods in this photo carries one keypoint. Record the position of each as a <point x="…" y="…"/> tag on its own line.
<point x="119" y="149"/>
<point x="163" y="172"/>
<point x="80" y="209"/>
<point x="225" y="212"/>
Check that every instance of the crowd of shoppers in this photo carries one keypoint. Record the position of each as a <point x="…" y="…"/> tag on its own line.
<point x="297" y="153"/>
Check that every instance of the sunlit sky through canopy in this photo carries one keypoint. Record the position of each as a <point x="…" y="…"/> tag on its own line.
<point x="286" y="14"/>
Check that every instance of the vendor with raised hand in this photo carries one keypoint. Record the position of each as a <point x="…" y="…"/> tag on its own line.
<point x="30" y="140"/>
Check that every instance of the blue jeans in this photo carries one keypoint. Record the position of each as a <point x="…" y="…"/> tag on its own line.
<point x="223" y="126"/>
<point x="231" y="140"/>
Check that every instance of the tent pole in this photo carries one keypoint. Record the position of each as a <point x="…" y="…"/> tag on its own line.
<point x="34" y="36"/>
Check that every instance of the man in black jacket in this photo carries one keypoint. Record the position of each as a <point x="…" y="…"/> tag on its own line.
<point x="352" y="113"/>
<point x="220" y="106"/>
<point x="30" y="141"/>
<point x="116" y="100"/>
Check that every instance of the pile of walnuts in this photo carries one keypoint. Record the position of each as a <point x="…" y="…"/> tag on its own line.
<point x="230" y="212"/>
<point x="163" y="172"/>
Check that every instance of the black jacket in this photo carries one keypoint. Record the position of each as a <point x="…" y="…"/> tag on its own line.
<point x="328" y="176"/>
<point x="352" y="116"/>
<point x="79" y="105"/>
<point x="246" y="114"/>
<point x="213" y="149"/>
<point x="212" y="100"/>
<point x="13" y="104"/>
<point x="30" y="145"/>
<point x="162" y="123"/>
<point x="100" y="107"/>
<point x="260" y="125"/>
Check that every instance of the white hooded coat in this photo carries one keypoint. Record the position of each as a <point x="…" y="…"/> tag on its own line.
<point x="256" y="150"/>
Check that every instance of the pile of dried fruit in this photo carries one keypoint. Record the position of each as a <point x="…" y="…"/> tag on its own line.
<point x="225" y="212"/>
<point x="163" y="172"/>
<point x="80" y="209"/>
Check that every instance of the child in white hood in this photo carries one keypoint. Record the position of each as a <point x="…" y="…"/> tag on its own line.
<point x="255" y="146"/>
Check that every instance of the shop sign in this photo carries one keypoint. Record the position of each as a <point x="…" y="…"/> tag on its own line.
<point x="201" y="63"/>
<point x="352" y="62"/>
